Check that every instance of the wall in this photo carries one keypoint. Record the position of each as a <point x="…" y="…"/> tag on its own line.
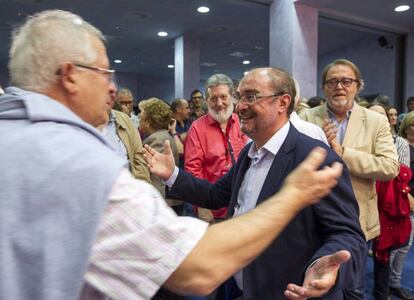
<point x="376" y="64"/>
<point x="4" y="76"/>
<point x="154" y="86"/>
<point x="146" y="86"/>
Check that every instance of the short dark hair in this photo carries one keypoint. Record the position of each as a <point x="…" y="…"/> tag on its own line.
<point x="195" y="92"/>
<point x="176" y="104"/>
<point x="315" y="101"/>
<point x="282" y="82"/>
<point x="383" y="99"/>
<point x="410" y="99"/>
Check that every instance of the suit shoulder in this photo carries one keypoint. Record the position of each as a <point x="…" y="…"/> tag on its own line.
<point x="121" y="116"/>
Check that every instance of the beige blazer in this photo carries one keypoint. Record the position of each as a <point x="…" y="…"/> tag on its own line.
<point x="370" y="155"/>
<point x="129" y="136"/>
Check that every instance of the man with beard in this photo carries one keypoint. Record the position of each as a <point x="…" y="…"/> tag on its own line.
<point x="263" y="103"/>
<point x="214" y="141"/>
<point x="362" y="138"/>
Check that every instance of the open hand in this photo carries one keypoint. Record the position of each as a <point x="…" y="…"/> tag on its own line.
<point x="330" y="131"/>
<point x="319" y="278"/>
<point x="160" y="164"/>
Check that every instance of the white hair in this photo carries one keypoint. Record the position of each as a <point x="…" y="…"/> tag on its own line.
<point x="44" y="42"/>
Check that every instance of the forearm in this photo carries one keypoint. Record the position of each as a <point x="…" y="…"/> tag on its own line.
<point x="179" y="144"/>
<point x="221" y="253"/>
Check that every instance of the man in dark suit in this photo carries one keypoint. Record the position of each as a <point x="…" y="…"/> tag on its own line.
<point x="264" y="102"/>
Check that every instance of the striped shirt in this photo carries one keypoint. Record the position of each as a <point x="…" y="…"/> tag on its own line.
<point x="403" y="150"/>
<point x="140" y="243"/>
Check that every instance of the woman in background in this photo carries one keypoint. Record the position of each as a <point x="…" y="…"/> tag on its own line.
<point x="154" y="120"/>
<point x="397" y="257"/>
<point x="394" y="212"/>
<point x="393" y="118"/>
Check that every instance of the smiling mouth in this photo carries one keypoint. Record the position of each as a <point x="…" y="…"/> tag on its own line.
<point x="244" y="118"/>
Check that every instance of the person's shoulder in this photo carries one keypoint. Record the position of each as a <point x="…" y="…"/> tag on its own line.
<point x="312" y="111"/>
<point x="157" y="135"/>
<point x="305" y="144"/>
<point x="373" y="117"/>
<point x="122" y="118"/>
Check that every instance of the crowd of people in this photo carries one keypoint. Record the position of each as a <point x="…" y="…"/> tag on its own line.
<point x="241" y="192"/>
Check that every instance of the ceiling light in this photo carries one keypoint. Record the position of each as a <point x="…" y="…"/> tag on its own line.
<point x="170" y="66"/>
<point x="401" y="8"/>
<point x="117" y="61"/>
<point x="162" y="33"/>
<point x="203" y="9"/>
<point x="246" y="62"/>
<point x="245" y="73"/>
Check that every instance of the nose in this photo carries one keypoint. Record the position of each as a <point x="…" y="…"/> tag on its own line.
<point x="241" y="106"/>
<point x="112" y="90"/>
<point x="337" y="85"/>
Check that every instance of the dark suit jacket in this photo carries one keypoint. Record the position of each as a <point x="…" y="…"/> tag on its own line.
<point x="318" y="230"/>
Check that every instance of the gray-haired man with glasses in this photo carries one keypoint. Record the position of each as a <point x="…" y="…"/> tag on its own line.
<point x="362" y="138"/>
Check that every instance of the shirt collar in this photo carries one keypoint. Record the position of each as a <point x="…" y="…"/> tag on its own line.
<point x="112" y="118"/>
<point x="332" y="115"/>
<point x="274" y="144"/>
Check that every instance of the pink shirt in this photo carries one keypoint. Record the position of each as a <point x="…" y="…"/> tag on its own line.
<point x="206" y="151"/>
<point x="139" y="244"/>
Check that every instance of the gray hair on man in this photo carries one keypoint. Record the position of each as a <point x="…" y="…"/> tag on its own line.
<point x="218" y="79"/>
<point x="36" y="58"/>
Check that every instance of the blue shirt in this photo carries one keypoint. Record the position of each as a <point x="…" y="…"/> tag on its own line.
<point x="109" y="131"/>
<point x="261" y="161"/>
<point x="341" y="125"/>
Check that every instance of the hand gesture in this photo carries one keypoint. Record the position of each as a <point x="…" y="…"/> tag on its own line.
<point x="160" y="164"/>
<point x="330" y="131"/>
<point x="309" y="184"/>
<point x="171" y="126"/>
<point x="319" y="278"/>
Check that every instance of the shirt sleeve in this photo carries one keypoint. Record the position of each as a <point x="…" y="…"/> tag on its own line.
<point x="140" y="241"/>
<point x="194" y="156"/>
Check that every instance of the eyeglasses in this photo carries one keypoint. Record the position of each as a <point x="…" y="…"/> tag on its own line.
<point x="107" y="72"/>
<point x="345" y="82"/>
<point x="252" y="97"/>
<point x="197" y="97"/>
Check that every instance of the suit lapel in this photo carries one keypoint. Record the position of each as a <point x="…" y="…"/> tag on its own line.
<point x="280" y="166"/>
<point x="242" y="166"/>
